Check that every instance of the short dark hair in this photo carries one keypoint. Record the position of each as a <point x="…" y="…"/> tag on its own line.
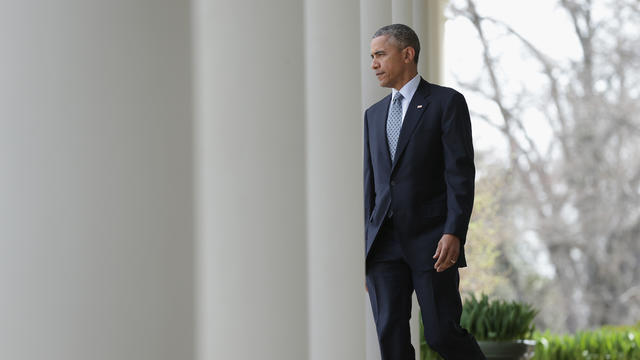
<point x="403" y="35"/>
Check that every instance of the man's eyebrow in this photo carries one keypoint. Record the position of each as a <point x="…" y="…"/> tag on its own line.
<point x="379" y="52"/>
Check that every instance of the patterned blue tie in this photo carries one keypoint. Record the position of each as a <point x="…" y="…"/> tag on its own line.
<point x="394" y="123"/>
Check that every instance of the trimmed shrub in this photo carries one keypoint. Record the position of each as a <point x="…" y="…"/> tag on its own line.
<point x="608" y="342"/>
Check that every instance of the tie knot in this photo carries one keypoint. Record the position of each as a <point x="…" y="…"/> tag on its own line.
<point x="398" y="97"/>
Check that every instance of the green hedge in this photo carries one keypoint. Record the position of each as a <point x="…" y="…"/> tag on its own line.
<point x="610" y="343"/>
<point x="606" y="343"/>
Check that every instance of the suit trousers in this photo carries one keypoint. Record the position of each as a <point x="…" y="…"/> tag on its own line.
<point x="391" y="283"/>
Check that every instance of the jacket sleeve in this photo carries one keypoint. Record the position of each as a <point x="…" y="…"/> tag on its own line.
<point x="369" y="191"/>
<point x="459" y="167"/>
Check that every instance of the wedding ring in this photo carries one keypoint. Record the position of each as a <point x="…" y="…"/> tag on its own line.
<point x="453" y="261"/>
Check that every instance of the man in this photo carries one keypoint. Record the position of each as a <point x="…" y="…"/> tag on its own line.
<point x="418" y="191"/>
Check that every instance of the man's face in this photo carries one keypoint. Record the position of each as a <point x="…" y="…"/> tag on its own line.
<point x="389" y="61"/>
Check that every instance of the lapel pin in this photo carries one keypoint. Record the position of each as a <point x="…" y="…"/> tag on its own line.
<point x="419" y="106"/>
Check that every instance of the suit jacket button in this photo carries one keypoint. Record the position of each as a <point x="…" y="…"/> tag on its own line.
<point x="393" y="183"/>
<point x="390" y="214"/>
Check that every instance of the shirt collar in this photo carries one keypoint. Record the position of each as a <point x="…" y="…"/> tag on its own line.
<point x="408" y="89"/>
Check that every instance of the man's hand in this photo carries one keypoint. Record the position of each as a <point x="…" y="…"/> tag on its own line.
<point x="447" y="252"/>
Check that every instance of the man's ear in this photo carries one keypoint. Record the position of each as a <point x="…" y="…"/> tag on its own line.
<point x="409" y="54"/>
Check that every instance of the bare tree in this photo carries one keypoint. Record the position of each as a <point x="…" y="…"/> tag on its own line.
<point x="581" y="194"/>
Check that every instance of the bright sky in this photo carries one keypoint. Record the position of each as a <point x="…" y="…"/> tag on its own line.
<point x="543" y="23"/>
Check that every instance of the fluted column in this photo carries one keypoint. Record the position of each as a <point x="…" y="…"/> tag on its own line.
<point x="96" y="194"/>
<point x="373" y="15"/>
<point x="428" y="23"/>
<point x="334" y="180"/>
<point x="251" y="148"/>
<point x="402" y="11"/>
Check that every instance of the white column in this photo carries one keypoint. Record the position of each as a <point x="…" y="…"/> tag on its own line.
<point x="402" y="11"/>
<point x="373" y="15"/>
<point x="96" y="241"/>
<point x="428" y="23"/>
<point x="334" y="180"/>
<point x="251" y="180"/>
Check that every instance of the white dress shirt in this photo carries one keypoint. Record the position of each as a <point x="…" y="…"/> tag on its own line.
<point x="407" y="92"/>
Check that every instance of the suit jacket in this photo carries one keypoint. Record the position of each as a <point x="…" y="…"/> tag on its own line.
<point x="428" y="187"/>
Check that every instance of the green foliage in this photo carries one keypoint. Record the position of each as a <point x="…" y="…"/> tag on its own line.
<point x="497" y="320"/>
<point x="611" y="343"/>
<point x="606" y="343"/>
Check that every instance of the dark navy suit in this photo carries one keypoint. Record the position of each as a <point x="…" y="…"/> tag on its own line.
<point x="410" y="202"/>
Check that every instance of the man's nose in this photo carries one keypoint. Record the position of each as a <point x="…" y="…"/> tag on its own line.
<point x="374" y="64"/>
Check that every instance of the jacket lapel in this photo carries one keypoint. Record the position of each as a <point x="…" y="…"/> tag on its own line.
<point x="380" y="123"/>
<point x="417" y="106"/>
